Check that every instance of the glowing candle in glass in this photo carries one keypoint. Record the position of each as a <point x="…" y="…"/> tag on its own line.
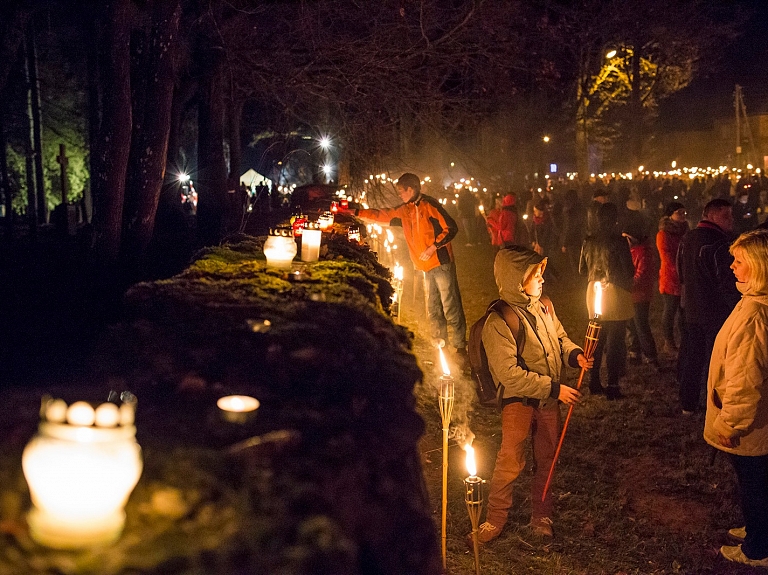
<point x="237" y="408"/>
<point x="81" y="468"/>
<point x="310" y="244"/>
<point x="280" y="249"/>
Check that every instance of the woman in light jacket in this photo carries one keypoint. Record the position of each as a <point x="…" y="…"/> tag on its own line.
<point x="737" y="396"/>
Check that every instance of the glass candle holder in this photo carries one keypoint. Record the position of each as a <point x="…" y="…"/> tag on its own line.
<point x="81" y="468"/>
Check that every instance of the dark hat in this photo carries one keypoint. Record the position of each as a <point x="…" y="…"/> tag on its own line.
<point x="599" y="192"/>
<point x="672" y="207"/>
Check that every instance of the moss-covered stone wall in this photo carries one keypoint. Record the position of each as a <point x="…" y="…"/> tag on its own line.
<point x="326" y="477"/>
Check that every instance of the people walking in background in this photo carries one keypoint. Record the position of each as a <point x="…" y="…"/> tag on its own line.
<point x="503" y="223"/>
<point x="492" y="218"/>
<point x="599" y="197"/>
<point x="467" y="209"/>
<point x="530" y="379"/>
<point x="642" y="345"/>
<point x="428" y="231"/>
<point x="572" y="230"/>
<point x="672" y="227"/>
<point x="737" y="396"/>
<point x="708" y="294"/>
<point x="605" y="258"/>
<point x="542" y="234"/>
<point x="744" y="210"/>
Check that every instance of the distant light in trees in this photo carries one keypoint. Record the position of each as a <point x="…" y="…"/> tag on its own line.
<point x="610" y="54"/>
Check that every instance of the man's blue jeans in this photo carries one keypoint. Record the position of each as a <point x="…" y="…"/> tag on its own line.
<point x="444" y="305"/>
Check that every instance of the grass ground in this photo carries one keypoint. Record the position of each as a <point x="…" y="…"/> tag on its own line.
<point x="637" y="490"/>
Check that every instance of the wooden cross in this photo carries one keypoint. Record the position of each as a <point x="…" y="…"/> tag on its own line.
<point x="63" y="162"/>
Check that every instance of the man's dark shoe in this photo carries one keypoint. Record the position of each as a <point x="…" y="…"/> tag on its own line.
<point x="613" y="393"/>
<point x="596" y="389"/>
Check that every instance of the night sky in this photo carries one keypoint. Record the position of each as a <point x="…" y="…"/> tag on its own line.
<point x="710" y="95"/>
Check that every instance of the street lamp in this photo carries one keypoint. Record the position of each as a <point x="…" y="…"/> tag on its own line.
<point x="611" y="54"/>
<point x="546" y="139"/>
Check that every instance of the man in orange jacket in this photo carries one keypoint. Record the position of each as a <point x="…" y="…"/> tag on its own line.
<point x="428" y="231"/>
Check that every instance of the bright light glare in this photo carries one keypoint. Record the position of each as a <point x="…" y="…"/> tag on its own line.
<point x="327" y="169"/>
<point x="610" y="54"/>
<point x="183" y="177"/>
<point x="325" y="142"/>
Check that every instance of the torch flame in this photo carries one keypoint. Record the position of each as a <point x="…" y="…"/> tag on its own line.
<point x="471" y="465"/>
<point x="398" y="273"/>
<point x="598" y="298"/>
<point x="444" y="363"/>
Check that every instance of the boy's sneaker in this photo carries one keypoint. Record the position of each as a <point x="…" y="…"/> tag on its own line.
<point x="738" y="533"/>
<point x="735" y="554"/>
<point x="542" y="526"/>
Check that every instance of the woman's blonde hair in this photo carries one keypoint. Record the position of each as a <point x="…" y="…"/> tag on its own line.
<point x="754" y="250"/>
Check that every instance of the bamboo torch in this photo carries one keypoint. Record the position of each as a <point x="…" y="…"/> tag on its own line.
<point x="473" y="497"/>
<point x="446" y="407"/>
<point x="590" y="343"/>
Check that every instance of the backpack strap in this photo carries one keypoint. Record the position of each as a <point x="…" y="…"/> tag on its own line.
<point x="512" y="319"/>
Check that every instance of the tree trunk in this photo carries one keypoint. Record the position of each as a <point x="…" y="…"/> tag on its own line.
<point x="211" y="164"/>
<point x="636" y="111"/>
<point x="92" y="35"/>
<point x="234" y="206"/>
<point x="4" y="180"/>
<point x="33" y="87"/>
<point x="115" y="134"/>
<point x="149" y="145"/>
<point x="11" y="36"/>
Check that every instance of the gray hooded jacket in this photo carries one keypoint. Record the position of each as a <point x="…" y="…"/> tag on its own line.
<point x="546" y="344"/>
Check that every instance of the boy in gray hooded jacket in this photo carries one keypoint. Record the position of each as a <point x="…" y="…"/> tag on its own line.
<point x="531" y="387"/>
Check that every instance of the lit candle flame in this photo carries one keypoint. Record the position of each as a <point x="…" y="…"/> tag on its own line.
<point x="444" y="363"/>
<point x="598" y="298"/>
<point x="471" y="464"/>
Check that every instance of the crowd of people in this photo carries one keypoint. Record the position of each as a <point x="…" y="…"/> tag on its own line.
<point x="713" y="282"/>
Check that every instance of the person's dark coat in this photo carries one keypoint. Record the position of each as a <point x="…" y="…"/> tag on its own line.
<point x="707" y="284"/>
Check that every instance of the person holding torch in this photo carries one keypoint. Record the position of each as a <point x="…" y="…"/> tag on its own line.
<point x="529" y="381"/>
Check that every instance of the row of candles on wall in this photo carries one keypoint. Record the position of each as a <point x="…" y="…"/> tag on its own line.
<point x="280" y="247"/>
<point x="473" y="484"/>
<point x="83" y="464"/>
<point x="397" y="297"/>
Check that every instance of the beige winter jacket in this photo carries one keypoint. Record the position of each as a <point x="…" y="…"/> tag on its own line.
<point x="546" y="344"/>
<point x="737" y="388"/>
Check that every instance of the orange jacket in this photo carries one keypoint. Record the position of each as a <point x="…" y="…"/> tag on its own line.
<point x="425" y="222"/>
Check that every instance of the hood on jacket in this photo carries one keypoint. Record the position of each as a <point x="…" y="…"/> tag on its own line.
<point x="510" y="268"/>
<point x="667" y="224"/>
<point x="509" y="200"/>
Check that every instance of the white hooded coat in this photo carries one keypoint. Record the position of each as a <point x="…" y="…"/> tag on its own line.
<point x="737" y="386"/>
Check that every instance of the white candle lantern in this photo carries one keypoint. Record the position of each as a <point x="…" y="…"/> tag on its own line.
<point x="310" y="243"/>
<point x="280" y="249"/>
<point x="81" y="468"/>
<point x="325" y="221"/>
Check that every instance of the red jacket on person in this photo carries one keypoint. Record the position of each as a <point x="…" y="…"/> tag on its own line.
<point x="645" y="272"/>
<point x="667" y="241"/>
